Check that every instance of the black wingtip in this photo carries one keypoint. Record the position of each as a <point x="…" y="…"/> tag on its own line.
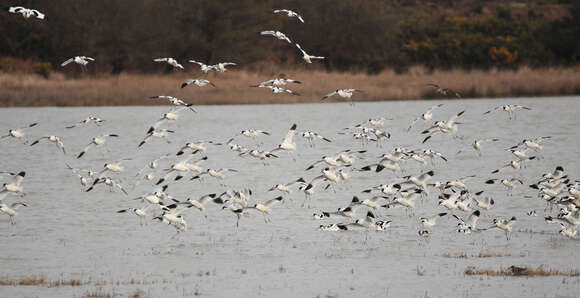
<point x="183" y="85"/>
<point x="476" y="213"/>
<point x="293" y="127"/>
<point x="22" y="174"/>
<point x="379" y="168"/>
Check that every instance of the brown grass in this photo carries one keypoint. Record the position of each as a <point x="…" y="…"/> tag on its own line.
<point x="232" y="86"/>
<point x="481" y="254"/>
<point x="40" y="280"/>
<point x="522" y="271"/>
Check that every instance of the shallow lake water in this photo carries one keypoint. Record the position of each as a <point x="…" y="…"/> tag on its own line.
<point x="68" y="234"/>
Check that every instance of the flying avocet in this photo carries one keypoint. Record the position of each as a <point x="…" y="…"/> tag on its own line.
<point x="169" y="61"/>
<point x="290" y="14"/>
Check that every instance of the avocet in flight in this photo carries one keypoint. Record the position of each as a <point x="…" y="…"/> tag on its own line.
<point x="197" y="82"/>
<point x="18" y="133"/>
<point x="277" y="82"/>
<point x="56" y="140"/>
<point x="80" y="60"/>
<point x="169" y="61"/>
<point x="221" y="67"/>
<point x="287" y="143"/>
<point x="90" y="119"/>
<point x="26" y="12"/>
<point x="444" y="91"/>
<point x="97" y="142"/>
<point x="277" y="34"/>
<point x="290" y="14"/>
<point x="344" y="93"/>
<point x="308" y="58"/>
<point x="204" y="67"/>
<point x="174" y="101"/>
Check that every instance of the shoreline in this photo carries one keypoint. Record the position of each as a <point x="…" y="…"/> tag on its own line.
<point x="232" y="87"/>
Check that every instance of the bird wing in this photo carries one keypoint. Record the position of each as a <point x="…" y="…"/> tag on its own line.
<point x="454" y="117"/>
<point x="269" y="32"/>
<point x="160" y="59"/>
<point x="38" y="14"/>
<point x="60" y="145"/>
<point x="290" y="135"/>
<point x="329" y="95"/>
<point x="298" y="46"/>
<point x="273" y="201"/>
<point x="433" y="108"/>
<point x="67" y="62"/>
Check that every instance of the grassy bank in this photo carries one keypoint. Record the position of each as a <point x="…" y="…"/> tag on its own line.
<point x="232" y="86"/>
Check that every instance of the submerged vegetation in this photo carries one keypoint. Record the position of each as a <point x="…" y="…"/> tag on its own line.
<point x="522" y="271"/>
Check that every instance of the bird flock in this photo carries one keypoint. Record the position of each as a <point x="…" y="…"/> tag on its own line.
<point x="452" y="197"/>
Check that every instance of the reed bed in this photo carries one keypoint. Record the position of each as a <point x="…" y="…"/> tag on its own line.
<point x="233" y="86"/>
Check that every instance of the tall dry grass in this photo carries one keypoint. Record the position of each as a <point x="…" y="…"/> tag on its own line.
<point x="233" y="86"/>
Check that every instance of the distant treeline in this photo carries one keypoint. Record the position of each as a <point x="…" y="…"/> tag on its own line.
<point x="354" y="35"/>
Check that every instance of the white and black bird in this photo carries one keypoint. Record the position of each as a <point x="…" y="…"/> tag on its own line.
<point x="476" y="145"/>
<point x="290" y="14"/>
<point x="97" y="141"/>
<point x="170" y="61"/>
<point x="221" y="67"/>
<point x="426" y="116"/>
<point x="18" y="133"/>
<point x="216" y="173"/>
<point x="306" y="57"/>
<point x="310" y="136"/>
<point x="285" y="188"/>
<point x="199" y="203"/>
<point x="82" y="61"/>
<point x="90" y="119"/>
<point x="10" y="209"/>
<point x="174" y="101"/>
<point x="111" y="183"/>
<point x="15" y="186"/>
<point x="266" y="207"/>
<point x="504" y="224"/>
<point x="276" y="90"/>
<point x="469" y="225"/>
<point x="203" y="67"/>
<point x="344" y="93"/>
<point x="510" y="109"/>
<point x="431" y="220"/>
<point x="162" y="133"/>
<point x="54" y="139"/>
<point x="510" y="183"/>
<point x="197" y="82"/>
<point x="446" y="127"/>
<point x="277" y="82"/>
<point x="444" y="91"/>
<point x="277" y="34"/>
<point x="141" y="212"/>
<point x="288" y="143"/>
<point x="26" y="12"/>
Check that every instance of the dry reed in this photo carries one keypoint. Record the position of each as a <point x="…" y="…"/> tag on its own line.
<point x="233" y="86"/>
<point x="522" y="271"/>
<point x="481" y="254"/>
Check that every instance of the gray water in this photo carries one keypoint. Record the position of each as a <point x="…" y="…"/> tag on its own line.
<point x="68" y="234"/>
